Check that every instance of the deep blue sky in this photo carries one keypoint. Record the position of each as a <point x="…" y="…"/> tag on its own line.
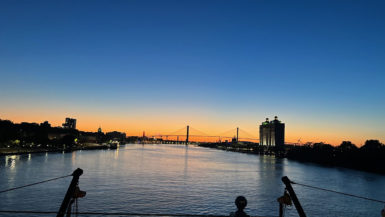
<point x="225" y="62"/>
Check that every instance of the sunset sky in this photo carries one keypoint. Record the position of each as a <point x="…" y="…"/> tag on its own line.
<point x="157" y="66"/>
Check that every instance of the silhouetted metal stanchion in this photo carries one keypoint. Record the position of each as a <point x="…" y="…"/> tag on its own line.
<point x="293" y="196"/>
<point x="70" y="192"/>
<point x="280" y="210"/>
<point x="284" y="201"/>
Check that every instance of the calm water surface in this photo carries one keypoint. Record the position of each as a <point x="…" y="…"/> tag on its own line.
<point x="179" y="179"/>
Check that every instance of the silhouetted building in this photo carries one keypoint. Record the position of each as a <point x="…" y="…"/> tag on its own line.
<point x="70" y="123"/>
<point x="234" y="140"/>
<point x="88" y="137"/>
<point x="117" y="136"/>
<point x="45" y="124"/>
<point x="272" y="133"/>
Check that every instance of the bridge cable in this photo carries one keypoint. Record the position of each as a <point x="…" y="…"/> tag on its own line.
<point x="338" y="192"/>
<point x="232" y="131"/>
<point x="178" y="131"/>
<point x="247" y="133"/>
<point x="36" y="183"/>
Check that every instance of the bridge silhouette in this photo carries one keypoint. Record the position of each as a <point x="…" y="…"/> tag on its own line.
<point x="189" y="134"/>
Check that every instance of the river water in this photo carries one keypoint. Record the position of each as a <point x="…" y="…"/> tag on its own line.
<point x="179" y="179"/>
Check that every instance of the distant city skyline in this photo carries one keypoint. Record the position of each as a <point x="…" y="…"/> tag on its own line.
<point x="212" y="132"/>
<point x="214" y="65"/>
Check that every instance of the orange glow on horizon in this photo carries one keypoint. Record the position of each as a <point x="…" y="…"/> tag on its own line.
<point x="160" y="122"/>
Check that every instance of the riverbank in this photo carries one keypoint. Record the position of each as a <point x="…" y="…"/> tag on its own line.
<point x="325" y="156"/>
<point x="24" y="150"/>
<point x="367" y="158"/>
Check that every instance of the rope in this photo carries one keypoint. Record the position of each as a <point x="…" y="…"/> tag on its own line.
<point x="338" y="192"/>
<point x="48" y="180"/>
<point x="116" y="213"/>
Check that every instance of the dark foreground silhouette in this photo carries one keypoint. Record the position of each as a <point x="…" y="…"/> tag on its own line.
<point x="241" y="204"/>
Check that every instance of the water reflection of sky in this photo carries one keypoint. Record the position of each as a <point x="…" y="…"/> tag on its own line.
<point x="180" y="179"/>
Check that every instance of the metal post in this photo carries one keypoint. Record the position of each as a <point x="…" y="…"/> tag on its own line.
<point x="70" y="192"/>
<point x="280" y="210"/>
<point x="293" y="196"/>
<point x="188" y="131"/>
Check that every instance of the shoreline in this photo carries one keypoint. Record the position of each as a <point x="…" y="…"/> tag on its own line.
<point x="20" y="151"/>
<point x="245" y="151"/>
<point x="94" y="146"/>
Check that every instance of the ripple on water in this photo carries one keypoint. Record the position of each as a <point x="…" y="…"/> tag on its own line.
<point x="179" y="179"/>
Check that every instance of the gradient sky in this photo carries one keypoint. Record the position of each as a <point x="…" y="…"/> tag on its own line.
<point x="215" y="65"/>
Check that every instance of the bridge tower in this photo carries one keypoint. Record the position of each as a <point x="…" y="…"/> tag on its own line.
<point x="237" y="134"/>
<point x="188" y="131"/>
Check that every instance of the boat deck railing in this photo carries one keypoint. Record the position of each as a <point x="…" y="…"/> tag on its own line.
<point x="73" y="193"/>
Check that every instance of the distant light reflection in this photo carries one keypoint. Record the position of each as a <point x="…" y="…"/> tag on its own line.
<point x="46" y="157"/>
<point x="116" y="152"/>
<point x="185" y="171"/>
<point x="10" y="161"/>
<point x="73" y="157"/>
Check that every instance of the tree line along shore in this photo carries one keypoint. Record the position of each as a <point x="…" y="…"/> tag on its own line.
<point x="370" y="157"/>
<point x="32" y="137"/>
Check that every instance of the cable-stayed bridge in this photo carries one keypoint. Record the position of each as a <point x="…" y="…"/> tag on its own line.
<point x="189" y="134"/>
